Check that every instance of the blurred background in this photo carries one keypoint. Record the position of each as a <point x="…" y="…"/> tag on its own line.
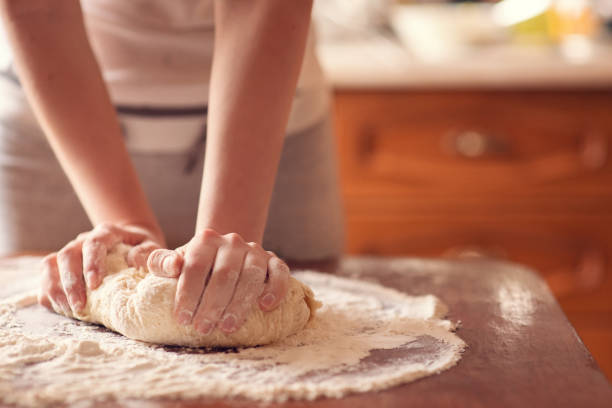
<point x="479" y="129"/>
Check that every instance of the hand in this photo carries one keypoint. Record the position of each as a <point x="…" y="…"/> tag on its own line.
<point x="82" y="261"/>
<point x="227" y="274"/>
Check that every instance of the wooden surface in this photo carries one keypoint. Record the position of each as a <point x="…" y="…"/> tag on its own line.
<point x="522" y="351"/>
<point x="517" y="175"/>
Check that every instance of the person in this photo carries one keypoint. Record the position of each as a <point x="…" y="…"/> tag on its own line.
<point x="168" y="117"/>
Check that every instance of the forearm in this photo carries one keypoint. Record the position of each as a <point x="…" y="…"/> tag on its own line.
<point x="65" y="88"/>
<point x="259" y="47"/>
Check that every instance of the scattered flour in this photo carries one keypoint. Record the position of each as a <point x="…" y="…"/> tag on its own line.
<point x="365" y="337"/>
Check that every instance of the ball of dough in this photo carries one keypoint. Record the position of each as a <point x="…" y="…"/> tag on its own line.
<point x="139" y="305"/>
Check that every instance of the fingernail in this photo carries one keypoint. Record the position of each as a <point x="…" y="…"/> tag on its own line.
<point x="229" y="323"/>
<point x="268" y="300"/>
<point x="184" y="317"/>
<point x="206" y="327"/>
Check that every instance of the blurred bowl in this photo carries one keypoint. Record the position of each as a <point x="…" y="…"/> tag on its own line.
<point x="440" y="32"/>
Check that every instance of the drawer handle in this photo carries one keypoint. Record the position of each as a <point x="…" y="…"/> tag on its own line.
<point x="588" y="275"/>
<point x="594" y="153"/>
<point x="473" y="144"/>
<point x="475" y="252"/>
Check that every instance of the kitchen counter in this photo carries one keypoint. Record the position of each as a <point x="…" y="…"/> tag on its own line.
<point x="522" y="351"/>
<point x="382" y="62"/>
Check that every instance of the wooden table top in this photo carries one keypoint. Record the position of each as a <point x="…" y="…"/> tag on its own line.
<point x="522" y="350"/>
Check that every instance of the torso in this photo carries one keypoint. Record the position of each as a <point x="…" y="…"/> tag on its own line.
<point x="159" y="53"/>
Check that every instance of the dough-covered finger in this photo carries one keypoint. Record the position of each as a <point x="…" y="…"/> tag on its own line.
<point x="138" y="256"/>
<point x="70" y="266"/>
<point x="51" y="287"/>
<point x="95" y="248"/>
<point x="276" y="286"/>
<point x="220" y="289"/>
<point x="249" y="288"/>
<point x="191" y="283"/>
<point x="165" y="262"/>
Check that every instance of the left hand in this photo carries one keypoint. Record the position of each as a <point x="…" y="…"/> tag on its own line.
<point x="228" y="274"/>
<point x="82" y="262"/>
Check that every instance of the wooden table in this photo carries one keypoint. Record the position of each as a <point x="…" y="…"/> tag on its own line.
<point x="522" y="351"/>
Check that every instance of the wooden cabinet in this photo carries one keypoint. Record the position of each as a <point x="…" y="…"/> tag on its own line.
<point x="524" y="176"/>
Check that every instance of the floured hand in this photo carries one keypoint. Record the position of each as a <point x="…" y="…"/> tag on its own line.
<point x="82" y="262"/>
<point x="228" y="274"/>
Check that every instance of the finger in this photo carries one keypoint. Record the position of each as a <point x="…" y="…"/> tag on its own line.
<point x="70" y="265"/>
<point x="95" y="248"/>
<point x="165" y="263"/>
<point x="44" y="301"/>
<point x="51" y="287"/>
<point x="191" y="283"/>
<point x="276" y="286"/>
<point x="249" y="288"/>
<point x="223" y="279"/>
<point x="138" y="256"/>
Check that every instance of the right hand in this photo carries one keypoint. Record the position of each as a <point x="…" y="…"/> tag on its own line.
<point x="82" y="262"/>
<point x="220" y="277"/>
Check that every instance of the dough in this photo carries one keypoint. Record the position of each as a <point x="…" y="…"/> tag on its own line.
<point x="139" y="305"/>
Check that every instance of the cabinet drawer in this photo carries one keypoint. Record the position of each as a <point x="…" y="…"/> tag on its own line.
<point x="467" y="141"/>
<point x="574" y="259"/>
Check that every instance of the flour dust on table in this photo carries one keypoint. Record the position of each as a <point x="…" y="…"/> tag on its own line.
<point x="365" y="337"/>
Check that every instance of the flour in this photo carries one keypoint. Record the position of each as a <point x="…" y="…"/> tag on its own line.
<point x="365" y="337"/>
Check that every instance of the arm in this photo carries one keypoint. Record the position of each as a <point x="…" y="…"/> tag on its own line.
<point x="259" y="45"/>
<point x="65" y="88"/>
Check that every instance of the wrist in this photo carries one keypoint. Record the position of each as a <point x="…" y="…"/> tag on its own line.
<point x="247" y="230"/>
<point x="152" y="229"/>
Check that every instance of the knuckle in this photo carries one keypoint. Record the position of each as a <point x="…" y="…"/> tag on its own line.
<point x="208" y="234"/>
<point x="82" y="236"/>
<point x="258" y="251"/>
<point x="49" y="260"/>
<point x="64" y="254"/>
<point x="234" y="239"/>
<point x="226" y="274"/>
<point x="104" y="226"/>
<point x="94" y="241"/>
<point x="157" y="254"/>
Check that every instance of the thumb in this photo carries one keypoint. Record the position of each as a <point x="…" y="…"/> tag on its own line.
<point x="165" y="263"/>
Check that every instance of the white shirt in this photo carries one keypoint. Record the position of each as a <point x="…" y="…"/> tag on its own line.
<point x="159" y="53"/>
